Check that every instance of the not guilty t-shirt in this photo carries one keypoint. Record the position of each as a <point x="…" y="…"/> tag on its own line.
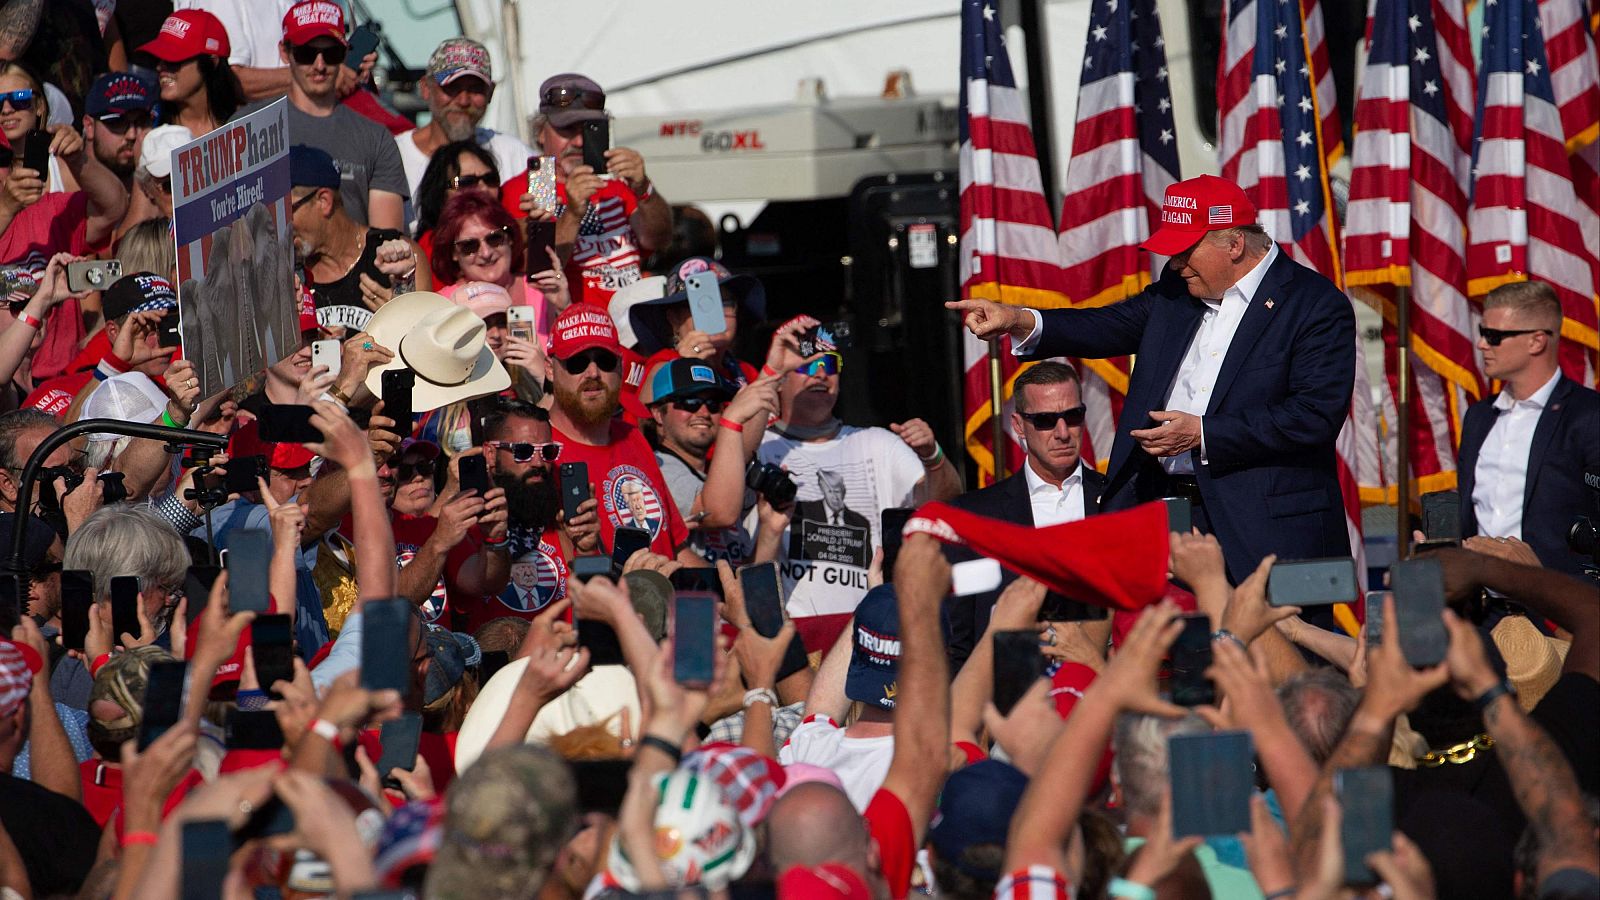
<point x="630" y="488"/>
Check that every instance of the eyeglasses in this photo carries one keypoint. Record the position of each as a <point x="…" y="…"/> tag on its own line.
<point x="119" y="124"/>
<point x="472" y="181"/>
<point x="564" y="97"/>
<point x="579" y="364"/>
<point x="306" y="54"/>
<point x="692" y="405"/>
<point x="827" y="365"/>
<point x="1046" y="421"/>
<point x="165" y="65"/>
<point x="1493" y="336"/>
<point x="20" y="101"/>
<point x="404" y="472"/>
<point x="296" y="204"/>
<point x="523" y="451"/>
<point x="494" y="240"/>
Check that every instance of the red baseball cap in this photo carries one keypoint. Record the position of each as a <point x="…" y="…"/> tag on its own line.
<point x="1196" y="206"/>
<point x="290" y="456"/>
<point x="581" y="327"/>
<point x="305" y="22"/>
<point x="188" y="33"/>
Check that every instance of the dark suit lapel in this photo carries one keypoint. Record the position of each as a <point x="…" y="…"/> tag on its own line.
<point x="1263" y="306"/>
<point x="1093" y="482"/>
<point x="1543" y="434"/>
<point x="1178" y="330"/>
<point x="1019" y="500"/>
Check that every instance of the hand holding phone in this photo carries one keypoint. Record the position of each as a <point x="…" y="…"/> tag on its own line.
<point x="285" y="423"/>
<point x="574" y="488"/>
<point x="36" y="152"/>
<point x="272" y="650"/>
<point x="124" y="607"/>
<point x="541" y="240"/>
<point x="397" y="385"/>
<point x="248" y="560"/>
<point x="473" y="473"/>
<point x="1212" y="779"/>
<point x="694" y="639"/>
<point x="77" y="595"/>
<point x="705" y="303"/>
<point x="1418" y="588"/>
<point x="363" y="41"/>
<point x="399" y="739"/>
<point x="1191" y="657"/>
<point x="1017" y="665"/>
<point x="596" y="141"/>
<point x="387" y="646"/>
<point x="542" y="182"/>
<point x="625" y="542"/>
<point x="1313" y="582"/>
<point x="329" y="354"/>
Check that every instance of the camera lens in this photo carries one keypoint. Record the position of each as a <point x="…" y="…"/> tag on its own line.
<point x="1583" y="538"/>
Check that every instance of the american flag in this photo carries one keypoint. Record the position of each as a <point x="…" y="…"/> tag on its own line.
<point x="1527" y="219"/>
<point x="1575" y="78"/>
<point x="1124" y="155"/>
<point x="1008" y="240"/>
<point x="1279" y="135"/>
<point x="1404" y="228"/>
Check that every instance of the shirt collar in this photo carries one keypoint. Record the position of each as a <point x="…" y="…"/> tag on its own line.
<point x="1037" y="485"/>
<point x="1504" y="401"/>
<point x="1245" y="288"/>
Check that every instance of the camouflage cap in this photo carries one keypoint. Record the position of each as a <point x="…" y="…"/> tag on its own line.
<point x="651" y="594"/>
<point x="121" y="681"/>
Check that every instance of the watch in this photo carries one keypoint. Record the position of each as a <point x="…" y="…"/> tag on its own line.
<point x="1504" y="688"/>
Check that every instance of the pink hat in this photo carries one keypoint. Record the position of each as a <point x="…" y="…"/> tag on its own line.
<point x="18" y="664"/>
<point x="483" y="298"/>
<point x="796" y="774"/>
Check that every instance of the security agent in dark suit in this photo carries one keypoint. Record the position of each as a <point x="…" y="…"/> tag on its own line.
<point x="1246" y="361"/>
<point x="1523" y="451"/>
<point x="1054" y="486"/>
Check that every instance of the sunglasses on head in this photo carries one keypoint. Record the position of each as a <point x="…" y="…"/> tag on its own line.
<point x="1046" y="421"/>
<point x="306" y="54"/>
<point x="19" y="100"/>
<point x="579" y="364"/>
<point x="472" y="181"/>
<point x="827" y="365"/>
<point x="406" y="471"/>
<point x="563" y="97"/>
<point x="119" y="124"/>
<point x="692" y="405"/>
<point x="1493" y="336"/>
<point x="523" y="451"/>
<point x="494" y="240"/>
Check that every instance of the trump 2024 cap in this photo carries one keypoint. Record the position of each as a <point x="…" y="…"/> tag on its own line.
<point x="1196" y="206"/>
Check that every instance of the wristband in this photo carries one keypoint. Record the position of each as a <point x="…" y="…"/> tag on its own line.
<point x="252" y="700"/>
<point x="768" y="370"/>
<point x="1502" y="689"/>
<point x="1281" y="893"/>
<point x="338" y="394"/>
<point x="729" y="424"/>
<point x="144" y="838"/>
<point x="1223" y="634"/>
<point x="495" y="545"/>
<point x="933" y="458"/>
<point x="25" y="319"/>
<point x="1129" y="890"/>
<point x="327" y="731"/>
<point x="760" y="695"/>
<point x="665" y="746"/>
<point x="166" y="419"/>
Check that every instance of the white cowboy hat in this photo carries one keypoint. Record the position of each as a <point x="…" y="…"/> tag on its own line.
<point x="646" y="290"/>
<point x="444" y="344"/>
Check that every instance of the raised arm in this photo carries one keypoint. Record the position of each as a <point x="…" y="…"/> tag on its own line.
<point x="922" y="702"/>
<point x="346" y="444"/>
<point x="1017" y="608"/>
<point x="1554" y="595"/>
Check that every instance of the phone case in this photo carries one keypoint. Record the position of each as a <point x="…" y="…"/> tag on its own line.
<point x="574" y="487"/>
<point x="1313" y="582"/>
<point x="474" y="472"/>
<point x="1212" y="780"/>
<point x="596" y="141"/>
<point x="399" y="739"/>
<point x="705" y="303"/>
<point x="542" y="181"/>
<point x="326" y="353"/>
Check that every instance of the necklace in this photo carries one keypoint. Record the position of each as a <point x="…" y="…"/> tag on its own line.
<point x="1456" y="754"/>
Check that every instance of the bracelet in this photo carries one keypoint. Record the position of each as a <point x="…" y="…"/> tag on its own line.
<point x="729" y="424"/>
<point x="931" y="461"/>
<point x="252" y="700"/>
<point x="760" y="695"/>
<point x="24" y="318"/>
<point x="664" y="745"/>
<point x="145" y="838"/>
<point x="166" y="419"/>
<point x="327" y="731"/>
<point x="768" y="370"/>
<point x="1129" y="890"/>
<point x="338" y="394"/>
<point x="496" y="545"/>
<point x="1223" y="634"/>
<point x="1502" y="689"/>
<point x="1281" y="893"/>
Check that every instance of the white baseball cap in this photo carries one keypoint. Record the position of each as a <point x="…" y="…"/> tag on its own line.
<point x="155" y="156"/>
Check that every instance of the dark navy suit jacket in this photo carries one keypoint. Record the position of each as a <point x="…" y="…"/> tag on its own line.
<point x="1271" y="483"/>
<point x="1566" y="441"/>
<point x="967" y="618"/>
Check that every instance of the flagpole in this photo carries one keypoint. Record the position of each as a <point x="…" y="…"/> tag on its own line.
<point x="1402" y="468"/>
<point x="996" y="402"/>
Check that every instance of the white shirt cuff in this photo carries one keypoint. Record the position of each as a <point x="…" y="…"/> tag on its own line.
<point x="1203" y="460"/>
<point x="1026" y="345"/>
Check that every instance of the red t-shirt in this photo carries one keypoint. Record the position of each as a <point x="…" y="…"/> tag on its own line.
<point x="410" y="533"/>
<point x="538" y="578"/>
<point x="889" y="823"/>
<point x="630" y="487"/>
<point x="55" y="224"/>
<point x="437" y="750"/>
<point x="607" y="255"/>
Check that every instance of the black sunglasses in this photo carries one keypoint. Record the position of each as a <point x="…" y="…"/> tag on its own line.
<point x="404" y="472"/>
<point x="693" y="405"/>
<point x="494" y="240"/>
<point x="471" y="181"/>
<point x="1493" y="336"/>
<point x="302" y="201"/>
<point x="579" y="364"/>
<point x="563" y="97"/>
<point x="1046" y="421"/>
<point x="332" y="54"/>
<point x="118" y="125"/>
<point x="523" y="451"/>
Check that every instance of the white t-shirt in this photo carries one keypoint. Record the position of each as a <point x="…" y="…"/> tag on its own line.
<point x="510" y="157"/>
<point x="255" y="28"/>
<point x="860" y="763"/>
<point x="828" y="548"/>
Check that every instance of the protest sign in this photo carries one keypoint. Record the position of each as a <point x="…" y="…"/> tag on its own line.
<point x="230" y="212"/>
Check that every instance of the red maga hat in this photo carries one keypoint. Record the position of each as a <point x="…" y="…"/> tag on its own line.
<point x="1196" y="206"/>
<point x="188" y="33"/>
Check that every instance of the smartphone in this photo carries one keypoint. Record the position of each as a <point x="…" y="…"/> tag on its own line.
<point x="399" y="739"/>
<point x="705" y="303"/>
<point x="287" y="423"/>
<point x="697" y="580"/>
<point x="892" y="522"/>
<point x="36" y="153"/>
<point x="249" y="556"/>
<point x="519" y="321"/>
<point x="975" y="576"/>
<point x="574" y="488"/>
<point x="626" y="541"/>
<point x="327" y="353"/>
<point x="1058" y="607"/>
<point x="386" y="645"/>
<point x="162" y="707"/>
<point x="207" y="849"/>
<point x="474" y="473"/>
<point x="596" y="141"/>
<point x="363" y="41"/>
<point x="1180" y="514"/>
<point x="1313" y="582"/>
<point x="1017" y="665"/>
<point x="586" y="567"/>
<point x="271" y="818"/>
<point x="242" y="473"/>
<point x="77" y="595"/>
<point x="397" y="385"/>
<point x="197" y="584"/>
<point x="762" y="586"/>
<point x="272" y="648"/>
<point x="1441" y="516"/>
<point x="542" y="181"/>
<point x="1418" y="586"/>
<point x="1366" y="795"/>
<point x="1374" y="616"/>
<point x="167" y="331"/>
<point x="694" y="638"/>
<point x="253" y="730"/>
<point x="1212" y="778"/>
<point x="1191" y="657"/>
<point x="541" y="238"/>
<point x="124" y="607"/>
<point x="92" y="274"/>
<point x="601" y="639"/>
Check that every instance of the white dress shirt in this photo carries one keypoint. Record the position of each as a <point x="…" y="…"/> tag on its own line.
<point x="1053" y="505"/>
<point x="1502" y="471"/>
<point x="1197" y="375"/>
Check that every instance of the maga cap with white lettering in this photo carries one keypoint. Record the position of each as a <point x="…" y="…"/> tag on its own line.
<point x="311" y="19"/>
<point x="1196" y="206"/>
<point x="875" y="654"/>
